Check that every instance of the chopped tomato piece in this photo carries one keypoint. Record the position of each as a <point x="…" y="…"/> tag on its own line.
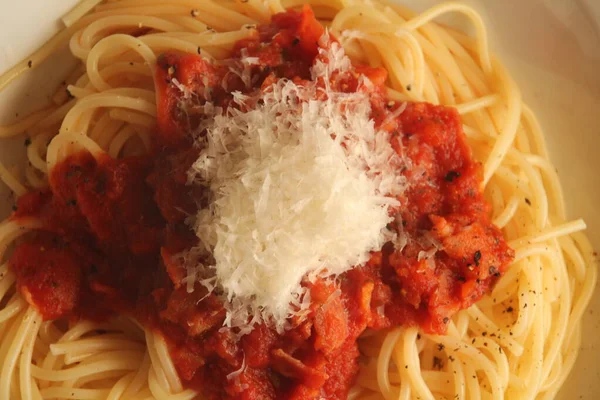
<point x="48" y="275"/>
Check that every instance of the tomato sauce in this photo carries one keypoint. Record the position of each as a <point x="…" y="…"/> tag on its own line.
<point x="112" y="230"/>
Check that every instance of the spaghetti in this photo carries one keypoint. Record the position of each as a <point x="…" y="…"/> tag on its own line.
<point x="520" y="341"/>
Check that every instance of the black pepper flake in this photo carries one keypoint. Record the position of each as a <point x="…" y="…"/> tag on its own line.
<point x="473" y="341"/>
<point x="451" y="176"/>
<point x="461" y="279"/>
<point x="494" y="271"/>
<point x="295" y="42"/>
<point x="446" y="320"/>
<point x="54" y="284"/>
<point x="527" y="201"/>
<point x="437" y="363"/>
<point x="477" y="257"/>
<point x="510" y="309"/>
<point x="27" y="142"/>
<point x="418" y="336"/>
<point x="440" y="347"/>
<point x="194" y="12"/>
<point x="199" y="50"/>
<point x="30" y="63"/>
<point x="72" y="203"/>
<point x="484" y="334"/>
<point x="409" y="87"/>
<point x="14" y="207"/>
<point x="525" y="305"/>
<point x="73" y="170"/>
<point x="451" y="358"/>
<point x="101" y="186"/>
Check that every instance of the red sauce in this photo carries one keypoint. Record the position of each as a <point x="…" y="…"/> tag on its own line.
<point x="112" y="227"/>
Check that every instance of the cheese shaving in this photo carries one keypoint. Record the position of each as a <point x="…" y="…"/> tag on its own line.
<point x="302" y="187"/>
<point x="239" y="371"/>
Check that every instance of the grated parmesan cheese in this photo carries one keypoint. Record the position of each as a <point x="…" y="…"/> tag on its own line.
<point x="301" y="188"/>
<point x="427" y="239"/>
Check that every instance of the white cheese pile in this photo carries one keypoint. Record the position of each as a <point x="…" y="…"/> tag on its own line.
<point x="301" y="189"/>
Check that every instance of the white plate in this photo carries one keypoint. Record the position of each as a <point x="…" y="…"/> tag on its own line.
<point x="551" y="47"/>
